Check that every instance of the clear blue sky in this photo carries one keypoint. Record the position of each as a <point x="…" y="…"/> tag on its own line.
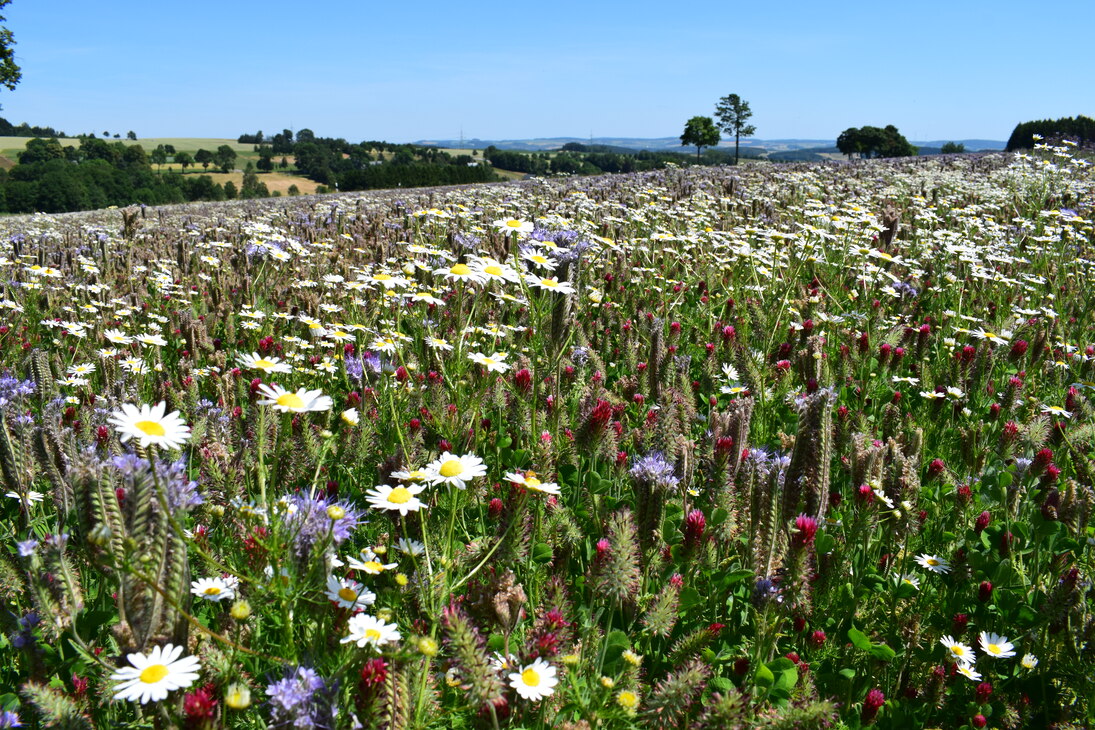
<point x="402" y="71"/>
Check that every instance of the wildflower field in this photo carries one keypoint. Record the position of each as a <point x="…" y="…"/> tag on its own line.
<point x="770" y="446"/>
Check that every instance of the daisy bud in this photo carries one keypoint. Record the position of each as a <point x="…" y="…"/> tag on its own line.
<point x="240" y="610"/>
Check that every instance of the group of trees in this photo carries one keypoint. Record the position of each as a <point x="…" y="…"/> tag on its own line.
<point x="732" y="113"/>
<point x="1079" y="129"/>
<point x="874" y="142"/>
<point x="53" y="178"/>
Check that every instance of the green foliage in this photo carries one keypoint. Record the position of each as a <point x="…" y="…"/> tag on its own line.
<point x="701" y="132"/>
<point x="874" y="142"/>
<point x="953" y="148"/>
<point x="10" y="73"/>
<point x="733" y="114"/>
<point x="1079" y="129"/>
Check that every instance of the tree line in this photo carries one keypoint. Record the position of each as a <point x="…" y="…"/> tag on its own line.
<point x="52" y="178"/>
<point x="1079" y="129"/>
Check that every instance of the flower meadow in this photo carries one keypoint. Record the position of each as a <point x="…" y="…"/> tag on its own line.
<point x="770" y="446"/>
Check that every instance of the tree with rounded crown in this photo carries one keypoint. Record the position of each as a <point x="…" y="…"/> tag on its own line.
<point x="701" y="132"/>
<point x="733" y="114"/>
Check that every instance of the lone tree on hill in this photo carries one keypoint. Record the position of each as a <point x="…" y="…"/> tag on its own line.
<point x="733" y="115"/>
<point x="701" y="132"/>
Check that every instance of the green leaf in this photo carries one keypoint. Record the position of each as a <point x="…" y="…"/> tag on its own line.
<point x="824" y="543"/>
<point x="690" y="597"/>
<point x="859" y="639"/>
<point x="764" y="677"/>
<point x="496" y="642"/>
<point x="847" y="673"/>
<point x="787" y="679"/>
<point x="721" y="684"/>
<point x="505" y="442"/>
<point x="542" y="553"/>
<point x="883" y="652"/>
<point x="718" y="517"/>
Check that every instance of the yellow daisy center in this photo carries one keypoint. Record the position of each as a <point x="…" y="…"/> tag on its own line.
<point x="549" y="283"/>
<point x="493" y="270"/>
<point x="212" y="591"/>
<point x="153" y="673"/>
<point x="374" y="565"/>
<point x="461" y="269"/>
<point x="514" y="223"/>
<point x="347" y="594"/>
<point x="454" y="467"/>
<point x="263" y="363"/>
<point x="539" y="259"/>
<point x="932" y="561"/>
<point x="400" y="495"/>
<point x="382" y="277"/>
<point x="290" y="400"/>
<point x="993" y="649"/>
<point x="531" y="480"/>
<point x="151" y="428"/>
<point x="372" y="634"/>
<point x="530" y="677"/>
<point x="335" y="512"/>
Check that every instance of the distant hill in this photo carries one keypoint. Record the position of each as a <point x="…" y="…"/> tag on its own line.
<point x="772" y="147"/>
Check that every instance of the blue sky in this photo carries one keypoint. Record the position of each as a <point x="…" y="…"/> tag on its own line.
<point x="403" y="71"/>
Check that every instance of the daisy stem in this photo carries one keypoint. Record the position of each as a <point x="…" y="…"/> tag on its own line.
<point x="260" y="445"/>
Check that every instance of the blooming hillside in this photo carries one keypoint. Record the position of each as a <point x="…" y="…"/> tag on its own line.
<point x="776" y="446"/>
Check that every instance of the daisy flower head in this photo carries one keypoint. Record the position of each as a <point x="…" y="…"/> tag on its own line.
<point x="288" y="402"/>
<point x="460" y="272"/>
<point x="79" y="371"/>
<point x="397" y="499"/>
<point x="153" y="676"/>
<point x="502" y="662"/>
<point x="366" y="630"/>
<point x="495" y="362"/>
<point x="1057" y="411"/>
<point x="347" y="593"/>
<point x="150" y="426"/>
<point x="513" y="225"/>
<point x="996" y="646"/>
<point x="960" y="652"/>
<point x="933" y="563"/>
<point x="529" y="480"/>
<point x="370" y="564"/>
<point x="455" y="470"/>
<point x="214" y="589"/>
<point x="254" y="361"/>
<point x="492" y="270"/>
<point x="1029" y="661"/>
<point x="535" y="681"/>
<point x="967" y="671"/>
<point x="552" y="284"/>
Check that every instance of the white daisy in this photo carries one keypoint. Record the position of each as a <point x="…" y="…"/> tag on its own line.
<point x="535" y="681"/>
<point x="371" y="563"/>
<point x="495" y="362"/>
<point x="967" y="670"/>
<point x="365" y="630"/>
<point x="958" y="651"/>
<point x="513" y="225"/>
<point x="349" y="593"/>
<point x="214" y="589"/>
<point x="933" y="563"/>
<point x="152" y="677"/>
<point x="265" y="364"/>
<point x="150" y="426"/>
<point x="301" y="401"/>
<point x="529" y="480"/>
<point x="996" y="646"/>
<point x="397" y="499"/>
<point x="455" y="470"/>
